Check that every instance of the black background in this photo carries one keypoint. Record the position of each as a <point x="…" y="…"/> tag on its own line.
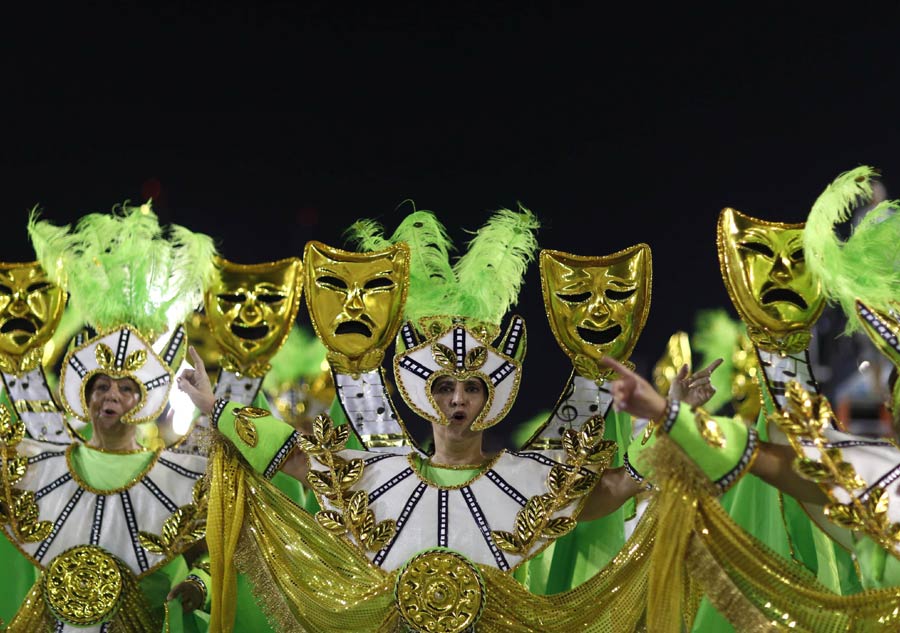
<point x="271" y="125"/>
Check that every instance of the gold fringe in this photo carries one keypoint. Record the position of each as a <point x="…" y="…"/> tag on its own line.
<point x="681" y="485"/>
<point x="225" y="517"/>
<point x="722" y="592"/>
<point x="264" y="588"/>
<point x="33" y="615"/>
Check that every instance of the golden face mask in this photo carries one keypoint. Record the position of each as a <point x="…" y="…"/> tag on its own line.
<point x="356" y="301"/>
<point x="597" y="306"/>
<point x="251" y="309"/>
<point x="767" y="279"/>
<point x="30" y="307"/>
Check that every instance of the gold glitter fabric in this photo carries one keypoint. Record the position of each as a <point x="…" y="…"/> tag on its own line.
<point x="700" y="550"/>
<point x="308" y="579"/>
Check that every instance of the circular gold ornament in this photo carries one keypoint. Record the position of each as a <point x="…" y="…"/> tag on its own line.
<point x="440" y="591"/>
<point x="83" y="586"/>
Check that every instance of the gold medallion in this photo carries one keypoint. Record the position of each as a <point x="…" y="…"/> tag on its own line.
<point x="83" y="586"/>
<point x="440" y="591"/>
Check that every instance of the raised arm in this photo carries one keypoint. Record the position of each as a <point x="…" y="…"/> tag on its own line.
<point x="267" y="443"/>
<point x="773" y="463"/>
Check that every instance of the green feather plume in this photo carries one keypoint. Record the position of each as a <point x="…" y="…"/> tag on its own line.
<point x="300" y="357"/>
<point x="716" y="336"/>
<point x="368" y="235"/>
<point x="483" y="283"/>
<point x="867" y="265"/>
<point x="122" y="268"/>
<point x="492" y="270"/>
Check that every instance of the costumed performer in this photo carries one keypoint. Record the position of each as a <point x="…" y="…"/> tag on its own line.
<point x="105" y="522"/>
<point x="428" y="541"/>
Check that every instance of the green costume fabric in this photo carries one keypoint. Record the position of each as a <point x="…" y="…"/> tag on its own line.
<point x="780" y="522"/>
<point x="878" y="568"/>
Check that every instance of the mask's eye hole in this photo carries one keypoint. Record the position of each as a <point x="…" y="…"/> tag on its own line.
<point x="334" y="283"/>
<point x="232" y="297"/>
<point x="376" y="284"/>
<point x="5" y="290"/>
<point x="580" y="297"/>
<point x="758" y="247"/>
<point x="619" y="295"/>
<point x="39" y="286"/>
<point x="270" y="298"/>
<point x="798" y="256"/>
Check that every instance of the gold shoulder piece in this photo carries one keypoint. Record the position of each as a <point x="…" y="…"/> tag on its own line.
<point x="804" y="419"/>
<point x="353" y="515"/>
<point x="565" y="484"/>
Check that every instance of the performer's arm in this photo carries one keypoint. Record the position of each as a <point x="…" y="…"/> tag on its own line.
<point x="266" y="442"/>
<point x="615" y="487"/>
<point x="773" y="463"/>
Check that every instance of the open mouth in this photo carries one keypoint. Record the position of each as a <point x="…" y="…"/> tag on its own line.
<point x="253" y="333"/>
<point x="353" y="327"/>
<point x="783" y="295"/>
<point x="599" y="337"/>
<point x="18" y="325"/>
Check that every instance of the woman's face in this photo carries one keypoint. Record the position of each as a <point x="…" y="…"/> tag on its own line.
<point x="460" y="401"/>
<point x="110" y="399"/>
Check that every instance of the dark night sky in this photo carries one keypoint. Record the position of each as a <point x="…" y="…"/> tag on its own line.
<point x="273" y="125"/>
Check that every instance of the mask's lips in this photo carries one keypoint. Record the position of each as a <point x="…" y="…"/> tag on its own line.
<point x="784" y="295"/>
<point x="250" y="332"/>
<point x="18" y="324"/>
<point x="599" y="337"/>
<point x="353" y="327"/>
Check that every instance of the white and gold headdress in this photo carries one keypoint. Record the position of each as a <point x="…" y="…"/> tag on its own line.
<point x="132" y="282"/>
<point x="454" y="311"/>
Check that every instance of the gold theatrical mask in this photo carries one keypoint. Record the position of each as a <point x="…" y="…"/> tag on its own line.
<point x="597" y="306"/>
<point x="765" y="273"/>
<point x="31" y="308"/>
<point x="356" y="302"/>
<point x="251" y="309"/>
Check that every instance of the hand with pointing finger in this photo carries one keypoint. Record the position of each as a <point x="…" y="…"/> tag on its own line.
<point x="694" y="389"/>
<point x="633" y="394"/>
<point x="195" y="383"/>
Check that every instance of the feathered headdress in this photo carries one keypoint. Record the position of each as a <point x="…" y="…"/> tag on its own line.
<point x="130" y="280"/>
<point x="867" y="265"/>
<point x="458" y="307"/>
<point x="481" y="285"/>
